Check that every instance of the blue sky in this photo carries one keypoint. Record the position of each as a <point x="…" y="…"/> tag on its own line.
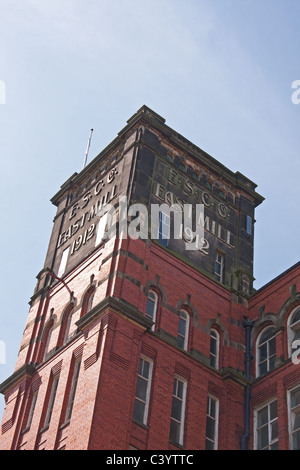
<point x="219" y="71"/>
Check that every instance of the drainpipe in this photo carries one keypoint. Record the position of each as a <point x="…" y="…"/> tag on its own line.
<point x="248" y="325"/>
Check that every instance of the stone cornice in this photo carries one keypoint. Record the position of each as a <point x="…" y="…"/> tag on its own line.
<point x="27" y="370"/>
<point x="119" y="306"/>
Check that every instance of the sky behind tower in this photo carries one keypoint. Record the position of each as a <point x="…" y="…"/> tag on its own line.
<point x="219" y="71"/>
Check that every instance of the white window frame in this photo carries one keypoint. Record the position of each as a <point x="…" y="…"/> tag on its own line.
<point x="216" y="355"/>
<point x="290" y="414"/>
<point x="214" y="441"/>
<point x="269" y="424"/>
<point x="164" y="228"/>
<point x="220" y="261"/>
<point x="146" y="402"/>
<point x="187" y="328"/>
<point x="182" y="399"/>
<point x="258" y="345"/>
<point x="155" y="303"/>
<point x="292" y="329"/>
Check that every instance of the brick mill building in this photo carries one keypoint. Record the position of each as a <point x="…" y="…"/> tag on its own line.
<point x="141" y="343"/>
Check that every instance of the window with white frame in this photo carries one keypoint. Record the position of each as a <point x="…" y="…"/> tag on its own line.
<point x="212" y="415"/>
<point x="214" y="349"/>
<point x="293" y="330"/>
<point x="143" y="389"/>
<point x="266" y="427"/>
<point x="183" y="329"/>
<point x="151" y="308"/>
<point x="164" y="228"/>
<point x="178" y="411"/>
<point x="266" y="351"/>
<point x="219" y="267"/>
<point x="294" y="417"/>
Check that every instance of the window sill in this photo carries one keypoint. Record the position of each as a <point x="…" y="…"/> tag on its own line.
<point x="145" y="426"/>
<point x="176" y="444"/>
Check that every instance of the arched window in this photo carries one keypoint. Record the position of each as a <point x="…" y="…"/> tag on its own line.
<point x="65" y="325"/>
<point x="266" y="351"/>
<point x="183" y="329"/>
<point x="214" y="348"/>
<point x="151" y="308"/>
<point x="46" y="340"/>
<point x="87" y="301"/>
<point x="293" y="330"/>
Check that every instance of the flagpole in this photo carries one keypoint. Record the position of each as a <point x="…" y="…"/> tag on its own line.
<point x="87" y="149"/>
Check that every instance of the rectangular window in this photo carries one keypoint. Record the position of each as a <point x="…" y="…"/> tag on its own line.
<point x="219" y="268"/>
<point x="294" y="418"/>
<point x="63" y="262"/>
<point x="142" y="393"/>
<point x="31" y="410"/>
<point x="178" y="411"/>
<point x="164" y="229"/>
<point x="76" y="369"/>
<point x="267" y="427"/>
<point x="211" y="438"/>
<point x="151" y="307"/>
<point x="54" y="384"/>
<point x="248" y="228"/>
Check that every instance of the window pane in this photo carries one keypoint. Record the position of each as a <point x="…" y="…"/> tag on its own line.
<point x="262" y="368"/>
<point x="274" y="430"/>
<point x="272" y="362"/>
<point x="182" y="326"/>
<point x="146" y="367"/>
<point x="174" y="431"/>
<point x="141" y="365"/>
<point x="262" y="417"/>
<point x="209" y="445"/>
<point x="263" y="352"/>
<point x="296" y="421"/>
<point x="273" y="410"/>
<point x="272" y="346"/>
<point x="266" y="335"/>
<point x="212" y="408"/>
<point x="176" y="408"/>
<point x="213" y="346"/>
<point x="210" y="428"/>
<point x="295" y="397"/>
<point x="262" y="436"/>
<point x="218" y="268"/>
<point x="179" y="389"/>
<point x="181" y="342"/>
<point x="138" y="412"/>
<point x="296" y="316"/>
<point x="141" y="388"/>
<point x="150" y="308"/>
<point x="212" y="361"/>
<point x="296" y="440"/>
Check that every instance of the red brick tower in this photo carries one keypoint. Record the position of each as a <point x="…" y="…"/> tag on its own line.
<point x="141" y="343"/>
